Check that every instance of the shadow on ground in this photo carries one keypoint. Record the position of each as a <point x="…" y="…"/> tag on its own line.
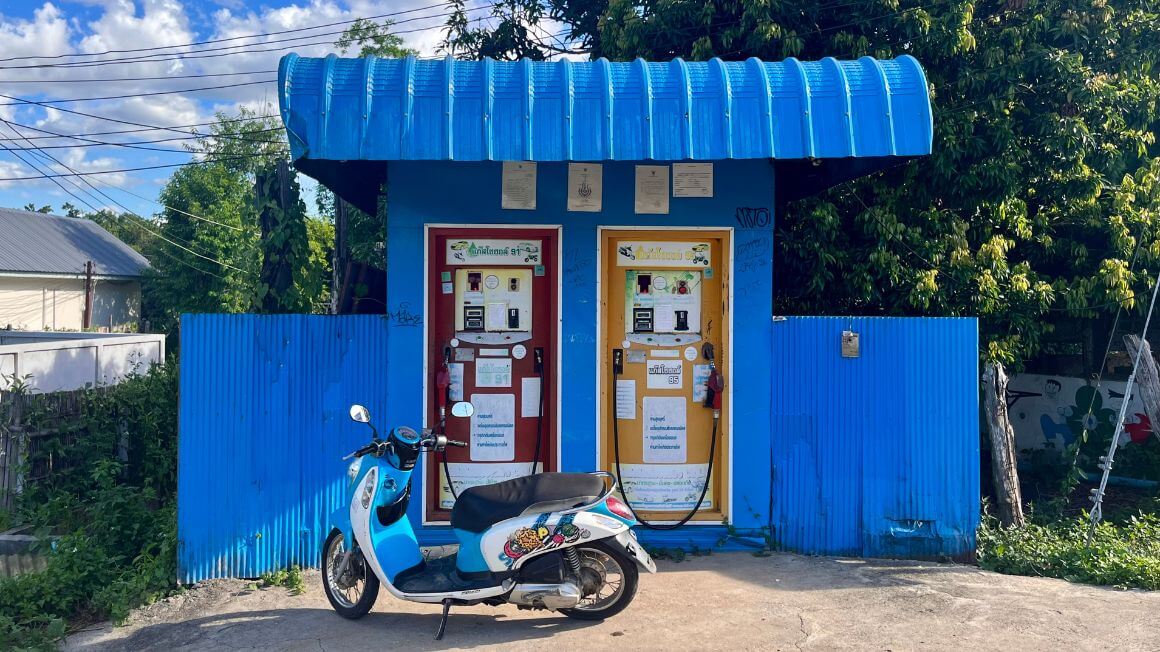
<point x="295" y="629"/>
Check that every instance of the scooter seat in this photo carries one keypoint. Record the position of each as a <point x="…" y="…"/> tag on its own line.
<point x="478" y="508"/>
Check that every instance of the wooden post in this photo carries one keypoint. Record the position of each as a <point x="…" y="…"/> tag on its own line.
<point x="87" y="317"/>
<point x="1003" y="472"/>
<point x="1147" y="380"/>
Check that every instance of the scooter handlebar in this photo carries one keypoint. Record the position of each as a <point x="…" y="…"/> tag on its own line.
<point x="455" y="442"/>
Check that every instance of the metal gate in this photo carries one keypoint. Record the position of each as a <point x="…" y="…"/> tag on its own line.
<point x="875" y="437"/>
<point x="263" y="427"/>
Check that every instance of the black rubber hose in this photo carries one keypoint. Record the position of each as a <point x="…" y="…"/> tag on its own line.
<point x="539" y="423"/>
<point x="620" y="476"/>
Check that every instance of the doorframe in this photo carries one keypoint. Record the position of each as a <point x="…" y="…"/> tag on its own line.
<point x="604" y="369"/>
<point x="559" y="229"/>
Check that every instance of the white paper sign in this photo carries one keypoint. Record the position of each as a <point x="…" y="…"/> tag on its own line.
<point x="467" y="474"/>
<point x="665" y="374"/>
<point x="456" y="388"/>
<point x="700" y="378"/>
<point x="493" y="428"/>
<point x="665" y="431"/>
<point x="652" y="189"/>
<point x="663" y="254"/>
<point x="519" y="185"/>
<point x="625" y="399"/>
<point x="530" y="397"/>
<point x="692" y="179"/>
<point x="585" y="187"/>
<point x="493" y="372"/>
<point x="665" y="487"/>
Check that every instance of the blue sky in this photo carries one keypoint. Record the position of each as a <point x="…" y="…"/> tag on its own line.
<point x="32" y="30"/>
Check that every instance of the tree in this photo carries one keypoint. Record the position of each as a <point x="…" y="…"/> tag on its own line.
<point x="1040" y="202"/>
<point x="31" y="207"/>
<point x="373" y="39"/>
<point x="207" y="263"/>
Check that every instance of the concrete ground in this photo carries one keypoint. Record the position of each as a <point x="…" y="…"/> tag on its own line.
<point x="725" y="601"/>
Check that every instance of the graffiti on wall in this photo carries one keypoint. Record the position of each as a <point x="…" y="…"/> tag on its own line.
<point x="1053" y="411"/>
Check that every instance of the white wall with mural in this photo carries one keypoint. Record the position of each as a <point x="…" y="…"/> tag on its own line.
<point x="1052" y="411"/>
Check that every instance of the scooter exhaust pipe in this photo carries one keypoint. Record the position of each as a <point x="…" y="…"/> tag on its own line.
<point x="564" y="595"/>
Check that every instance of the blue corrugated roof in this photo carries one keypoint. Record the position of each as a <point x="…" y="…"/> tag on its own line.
<point x="411" y="109"/>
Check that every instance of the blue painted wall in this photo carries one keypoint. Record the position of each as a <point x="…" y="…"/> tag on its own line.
<point x="469" y="193"/>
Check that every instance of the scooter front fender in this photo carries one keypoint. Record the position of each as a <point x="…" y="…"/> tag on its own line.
<point x="340" y="520"/>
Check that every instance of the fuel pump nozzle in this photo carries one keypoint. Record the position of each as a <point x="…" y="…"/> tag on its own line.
<point x="442" y="383"/>
<point x="715" y="385"/>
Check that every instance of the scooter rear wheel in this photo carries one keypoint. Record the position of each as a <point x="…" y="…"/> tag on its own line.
<point x="609" y="580"/>
<point x="353" y="594"/>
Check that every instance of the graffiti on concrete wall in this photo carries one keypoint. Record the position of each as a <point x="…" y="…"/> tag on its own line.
<point x="1053" y="411"/>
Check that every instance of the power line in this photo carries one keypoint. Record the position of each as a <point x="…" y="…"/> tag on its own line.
<point x="176" y="128"/>
<point x="223" y="159"/>
<point x="81" y="176"/>
<point x="176" y="210"/>
<point x="147" y="94"/>
<point x="129" y="79"/>
<point x="249" y="36"/>
<point x="208" y="53"/>
<point x="21" y="100"/>
<point x="136" y="144"/>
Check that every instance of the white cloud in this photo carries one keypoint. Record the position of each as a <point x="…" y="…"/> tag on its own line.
<point x="131" y="24"/>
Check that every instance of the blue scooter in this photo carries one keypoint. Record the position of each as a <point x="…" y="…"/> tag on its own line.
<point x="556" y="541"/>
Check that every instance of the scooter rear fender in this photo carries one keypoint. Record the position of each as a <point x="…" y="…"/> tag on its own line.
<point x="511" y="543"/>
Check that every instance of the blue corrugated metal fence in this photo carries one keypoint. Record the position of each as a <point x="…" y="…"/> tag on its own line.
<point x="876" y="455"/>
<point x="263" y="427"/>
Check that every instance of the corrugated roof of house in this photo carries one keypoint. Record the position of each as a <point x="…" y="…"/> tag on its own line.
<point x="50" y="244"/>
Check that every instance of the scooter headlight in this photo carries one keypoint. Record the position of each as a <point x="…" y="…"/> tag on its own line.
<point x="368" y="488"/>
<point x="352" y="470"/>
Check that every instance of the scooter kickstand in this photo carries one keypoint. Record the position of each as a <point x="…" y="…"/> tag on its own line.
<point x="443" y="621"/>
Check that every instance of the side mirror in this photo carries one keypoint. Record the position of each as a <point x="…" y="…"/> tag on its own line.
<point x="462" y="409"/>
<point x="359" y="413"/>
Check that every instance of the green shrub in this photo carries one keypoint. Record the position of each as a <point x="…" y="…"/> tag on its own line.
<point x="1126" y="555"/>
<point x="110" y="498"/>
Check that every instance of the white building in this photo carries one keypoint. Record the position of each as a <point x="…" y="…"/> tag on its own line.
<point x="42" y="274"/>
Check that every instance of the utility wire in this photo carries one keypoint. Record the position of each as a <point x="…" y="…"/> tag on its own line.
<point x="220" y="51"/>
<point x="134" y="144"/>
<point x="166" y="206"/>
<point x="130" y="79"/>
<point x="295" y="30"/>
<point x="147" y="94"/>
<point x="177" y="128"/>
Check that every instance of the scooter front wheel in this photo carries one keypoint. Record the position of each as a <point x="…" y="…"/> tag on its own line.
<point x="351" y="588"/>
<point x="608" y="581"/>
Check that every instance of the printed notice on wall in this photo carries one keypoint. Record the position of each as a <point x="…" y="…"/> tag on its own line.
<point x="493" y="372"/>
<point x="652" y="189"/>
<point x="519" y="185"/>
<point x="692" y="179"/>
<point x="585" y="187"/>
<point x="456" y="389"/>
<point x="493" y="428"/>
<point x="665" y="374"/>
<point x="665" y="487"/>
<point x="466" y="475"/>
<point x="530" y="397"/>
<point x="665" y="432"/>
<point x="625" y="399"/>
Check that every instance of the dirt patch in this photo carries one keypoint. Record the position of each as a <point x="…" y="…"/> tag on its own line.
<point x="730" y="600"/>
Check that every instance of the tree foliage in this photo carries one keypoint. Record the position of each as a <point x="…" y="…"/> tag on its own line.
<point x="1040" y="201"/>
<point x="372" y="40"/>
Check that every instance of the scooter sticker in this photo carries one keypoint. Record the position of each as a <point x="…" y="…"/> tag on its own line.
<point x="540" y="537"/>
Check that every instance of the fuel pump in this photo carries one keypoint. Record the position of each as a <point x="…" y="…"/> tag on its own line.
<point x="492" y="305"/>
<point x="666" y="299"/>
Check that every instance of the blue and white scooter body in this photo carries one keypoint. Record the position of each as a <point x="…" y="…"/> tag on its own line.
<point x="489" y="565"/>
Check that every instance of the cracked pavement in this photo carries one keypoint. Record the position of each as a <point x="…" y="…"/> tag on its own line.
<point x="723" y="601"/>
